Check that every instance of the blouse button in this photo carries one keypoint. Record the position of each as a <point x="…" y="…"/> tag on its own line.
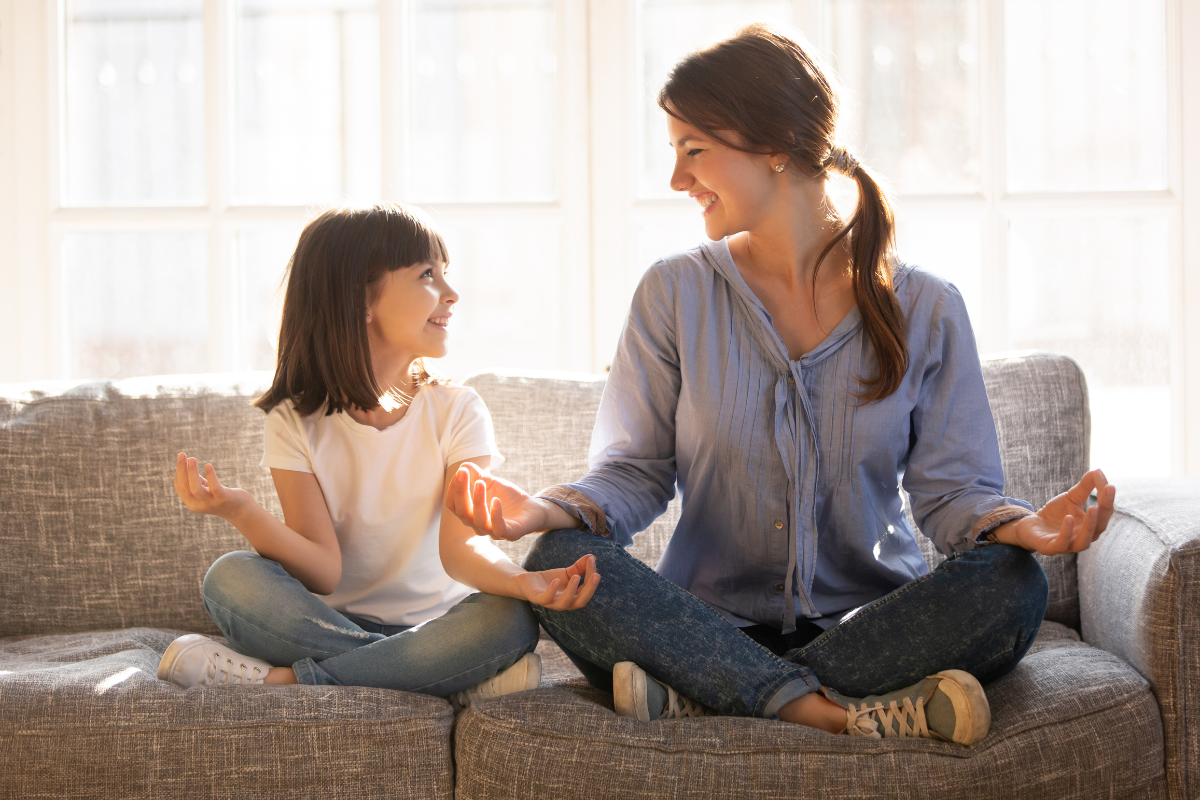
<point x="778" y="523"/>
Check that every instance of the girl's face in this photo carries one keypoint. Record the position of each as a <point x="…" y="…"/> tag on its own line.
<point x="735" y="189"/>
<point x="410" y="312"/>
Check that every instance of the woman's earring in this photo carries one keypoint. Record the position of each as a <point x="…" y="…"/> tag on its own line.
<point x="779" y="167"/>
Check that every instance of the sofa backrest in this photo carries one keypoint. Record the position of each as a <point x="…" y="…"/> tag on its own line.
<point x="94" y="538"/>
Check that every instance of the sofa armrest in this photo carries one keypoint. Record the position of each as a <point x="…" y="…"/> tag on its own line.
<point x="1139" y="593"/>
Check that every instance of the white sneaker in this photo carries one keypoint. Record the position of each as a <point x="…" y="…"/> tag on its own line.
<point x="195" y="660"/>
<point x="522" y="676"/>
<point x="637" y="695"/>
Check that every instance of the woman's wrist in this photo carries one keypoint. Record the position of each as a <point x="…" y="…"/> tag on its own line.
<point x="1008" y="532"/>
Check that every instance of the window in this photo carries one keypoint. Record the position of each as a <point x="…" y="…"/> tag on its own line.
<point x="162" y="155"/>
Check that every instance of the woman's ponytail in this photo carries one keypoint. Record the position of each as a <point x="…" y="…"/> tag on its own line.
<point x="872" y="238"/>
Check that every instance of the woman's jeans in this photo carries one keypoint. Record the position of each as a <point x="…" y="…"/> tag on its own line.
<point x="265" y="612"/>
<point x="978" y="611"/>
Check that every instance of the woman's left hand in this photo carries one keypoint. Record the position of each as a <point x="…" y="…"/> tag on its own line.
<point x="1065" y="524"/>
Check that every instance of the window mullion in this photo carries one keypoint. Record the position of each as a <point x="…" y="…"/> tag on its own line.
<point x="994" y="335"/>
<point x="222" y="283"/>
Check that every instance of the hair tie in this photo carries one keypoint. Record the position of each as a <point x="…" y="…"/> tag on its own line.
<point x="841" y="160"/>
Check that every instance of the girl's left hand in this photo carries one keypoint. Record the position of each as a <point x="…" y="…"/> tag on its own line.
<point x="1066" y="524"/>
<point x="561" y="589"/>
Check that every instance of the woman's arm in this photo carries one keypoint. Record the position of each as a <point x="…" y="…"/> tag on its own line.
<point x="305" y="544"/>
<point x="472" y="559"/>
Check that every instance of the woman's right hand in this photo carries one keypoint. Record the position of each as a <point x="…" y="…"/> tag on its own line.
<point x="496" y="508"/>
<point x="205" y="494"/>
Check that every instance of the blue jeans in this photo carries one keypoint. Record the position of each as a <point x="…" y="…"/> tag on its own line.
<point x="978" y="611"/>
<point x="266" y="613"/>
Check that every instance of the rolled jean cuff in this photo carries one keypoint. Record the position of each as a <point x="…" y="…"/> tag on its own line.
<point x="309" y="674"/>
<point x="807" y="683"/>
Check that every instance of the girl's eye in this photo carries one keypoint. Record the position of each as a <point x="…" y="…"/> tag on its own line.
<point x="427" y="273"/>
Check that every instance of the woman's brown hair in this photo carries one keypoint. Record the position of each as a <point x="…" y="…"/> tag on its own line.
<point x="762" y="86"/>
<point x="324" y="358"/>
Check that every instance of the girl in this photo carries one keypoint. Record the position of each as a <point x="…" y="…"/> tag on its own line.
<point x="790" y="376"/>
<point x="349" y="589"/>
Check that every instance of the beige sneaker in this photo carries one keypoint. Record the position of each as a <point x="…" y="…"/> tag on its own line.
<point x="637" y="695"/>
<point x="522" y="676"/>
<point x="195" y="660"/>
<point x="949" y="706"/>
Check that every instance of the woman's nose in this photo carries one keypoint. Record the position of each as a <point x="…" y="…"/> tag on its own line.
<point x="680" y="179"/>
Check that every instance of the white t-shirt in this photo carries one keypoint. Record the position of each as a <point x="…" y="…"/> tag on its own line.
<point x="384" y="493"/>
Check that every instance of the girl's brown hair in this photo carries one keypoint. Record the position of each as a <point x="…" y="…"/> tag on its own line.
<point x="324" y="356"/>
<point x="764" y="87"/>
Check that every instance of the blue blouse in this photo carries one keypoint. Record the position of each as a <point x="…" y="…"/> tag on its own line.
<point x="791" y="487"/>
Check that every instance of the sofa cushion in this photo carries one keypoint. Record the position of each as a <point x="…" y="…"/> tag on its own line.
<point x="93" y="535"/>
<point x="84" y="716"/>
<point x="1069" y="722"/>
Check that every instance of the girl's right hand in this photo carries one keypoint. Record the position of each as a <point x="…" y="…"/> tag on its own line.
<point x="496" y="508"/>
<point x="205" y="494"/>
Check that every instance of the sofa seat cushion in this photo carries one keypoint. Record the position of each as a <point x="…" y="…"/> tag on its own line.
<point x="1070" y="721"/>
<point x="84" y="716"/>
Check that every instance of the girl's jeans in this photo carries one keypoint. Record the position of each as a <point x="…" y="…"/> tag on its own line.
<point x="265" y="612"/>
<point x="978" y="611"/>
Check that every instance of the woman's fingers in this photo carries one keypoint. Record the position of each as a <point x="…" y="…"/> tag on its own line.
<point x="181" y="483"/>
<point x="1106" y="498"/>
<point x="564" y="600"/>
<point x="1080" y="492"/>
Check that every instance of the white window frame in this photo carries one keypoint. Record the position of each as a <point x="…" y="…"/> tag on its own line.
<point x="597" y="185"/>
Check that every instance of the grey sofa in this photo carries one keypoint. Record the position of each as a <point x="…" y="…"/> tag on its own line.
<point x="100" y="567"/>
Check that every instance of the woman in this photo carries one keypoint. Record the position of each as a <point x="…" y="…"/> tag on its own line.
<point x="791" y="377"/>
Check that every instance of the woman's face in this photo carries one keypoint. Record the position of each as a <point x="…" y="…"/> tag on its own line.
<point x="734" y="189"/>
<point x="410" y="312"/>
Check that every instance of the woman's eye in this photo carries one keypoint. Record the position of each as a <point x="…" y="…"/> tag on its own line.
<point x="693" y="152"/>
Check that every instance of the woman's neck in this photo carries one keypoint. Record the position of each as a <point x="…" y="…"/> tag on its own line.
<point x="783" y="246"/>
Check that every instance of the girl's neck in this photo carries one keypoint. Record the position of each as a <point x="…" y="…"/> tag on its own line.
<point x="399" y="387"/>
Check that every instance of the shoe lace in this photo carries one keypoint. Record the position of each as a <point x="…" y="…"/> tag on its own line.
<point x="679" y="707"/>
<point x="223" y="672"/>
<point x="876" y="720"/>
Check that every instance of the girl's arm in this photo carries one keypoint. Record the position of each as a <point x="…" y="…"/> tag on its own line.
<point x="472" y="559"/>
<point x="305" y="544"/>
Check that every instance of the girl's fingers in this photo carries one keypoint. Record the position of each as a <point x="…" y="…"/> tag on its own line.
<point x="547" y="597"/>
<point x="459" y="495"/>
<point x="1066" y="533"/>
<point x="479" y="517"/>
<point x="586" y="591"/>
<point x="499" y="526"/>
<point x="194" y="478"/>
<point x="1080" y="492"/>
<point x="181" y="486"/>
<point x="564" y="600"/>
<point x="214" y="485"/>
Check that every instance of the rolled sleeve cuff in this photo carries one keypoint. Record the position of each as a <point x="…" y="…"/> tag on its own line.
<point x="578" y="505"/>
<point x="994" y="519"/>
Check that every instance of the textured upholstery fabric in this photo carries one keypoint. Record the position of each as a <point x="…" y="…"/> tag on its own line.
<point x="1139" y="587"/>
<point x="84" y="716"/>
<point x="1070" y="722"/>
<point x="92" y="533"/>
